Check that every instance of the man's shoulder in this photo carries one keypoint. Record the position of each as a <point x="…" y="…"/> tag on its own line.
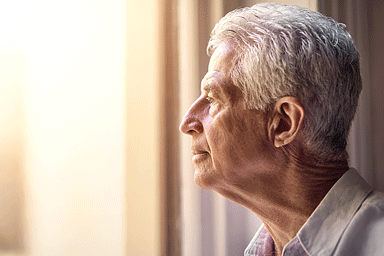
<point x="376" y="200"/>
<point x="372" y="209"/>
<point x="365" y="232"/>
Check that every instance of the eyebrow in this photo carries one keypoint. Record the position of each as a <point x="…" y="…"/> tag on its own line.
<point x="209" y="87"/>
<point x="211" y="84"/>
<point x="215" y="90"/>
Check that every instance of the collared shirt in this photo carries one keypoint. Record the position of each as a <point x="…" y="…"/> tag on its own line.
<point x="348" y="221"/>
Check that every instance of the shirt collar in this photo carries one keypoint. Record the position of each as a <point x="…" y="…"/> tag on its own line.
<point x="322" y="231"/>
<point x="261" y="244"/>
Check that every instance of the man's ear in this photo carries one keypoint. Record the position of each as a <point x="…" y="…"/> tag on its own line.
<point x="287" y="119"/>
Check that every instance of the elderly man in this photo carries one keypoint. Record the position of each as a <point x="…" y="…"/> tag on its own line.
<point x="269" y="132"/>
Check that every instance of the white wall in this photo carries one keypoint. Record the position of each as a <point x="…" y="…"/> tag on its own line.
<point x="143" y="132"/>
<point x="73" y="57"/>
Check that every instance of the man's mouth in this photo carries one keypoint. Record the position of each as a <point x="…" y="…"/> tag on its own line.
<point x="199" y="156"/>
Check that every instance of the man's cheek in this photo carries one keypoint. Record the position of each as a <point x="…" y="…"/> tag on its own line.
<point x="219" y="136"/>
<point x="223" y="148"/>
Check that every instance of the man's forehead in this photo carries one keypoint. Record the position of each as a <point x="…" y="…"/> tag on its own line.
<point x="222" y="59"/>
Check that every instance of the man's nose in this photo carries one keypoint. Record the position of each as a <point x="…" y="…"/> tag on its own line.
<point x="191" y="122"/>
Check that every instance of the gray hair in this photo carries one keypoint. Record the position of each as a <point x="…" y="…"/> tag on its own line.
<point x="286" y="50"/>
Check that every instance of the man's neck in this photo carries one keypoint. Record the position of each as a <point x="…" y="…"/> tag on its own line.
<point x="286" y="217"/>
<point x="285" y="202"/>
<point x="302" y="189"/>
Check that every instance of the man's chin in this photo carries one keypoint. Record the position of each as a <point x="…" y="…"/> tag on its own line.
<point x="204" y="179"/>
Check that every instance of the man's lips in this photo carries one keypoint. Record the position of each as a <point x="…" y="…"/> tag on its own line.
<point x="199" y="156"/>
<point x="198" y="152"/>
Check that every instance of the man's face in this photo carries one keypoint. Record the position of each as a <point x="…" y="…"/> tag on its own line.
<point x="229" y="142"/>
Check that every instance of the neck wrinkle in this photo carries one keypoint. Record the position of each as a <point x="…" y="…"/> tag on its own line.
<point x="285" y="194"/>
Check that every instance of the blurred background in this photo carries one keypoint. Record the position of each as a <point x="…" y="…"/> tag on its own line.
<point x="91" y="95"/>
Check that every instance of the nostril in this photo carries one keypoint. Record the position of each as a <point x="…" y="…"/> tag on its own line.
<point x="190" y="125"/>
<point x="195" y="127"/>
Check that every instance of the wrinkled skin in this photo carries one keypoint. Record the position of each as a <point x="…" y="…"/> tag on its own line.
<point x="228" y="140"/>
